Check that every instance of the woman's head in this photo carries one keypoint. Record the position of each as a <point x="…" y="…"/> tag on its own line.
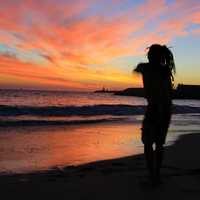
<point x="160" y="54"/>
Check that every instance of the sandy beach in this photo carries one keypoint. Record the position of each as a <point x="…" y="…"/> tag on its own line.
<point x="123" y="178"/>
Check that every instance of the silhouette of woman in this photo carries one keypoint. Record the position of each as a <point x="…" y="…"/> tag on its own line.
<point x="157" y="77"/>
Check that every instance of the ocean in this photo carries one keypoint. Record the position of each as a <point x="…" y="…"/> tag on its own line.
<point x="41" y="130"/>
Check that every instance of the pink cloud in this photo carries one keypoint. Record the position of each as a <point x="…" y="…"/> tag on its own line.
<point x="196" y="31"/>
<point x="50" y="32"/>
<point x="67" y="37"/>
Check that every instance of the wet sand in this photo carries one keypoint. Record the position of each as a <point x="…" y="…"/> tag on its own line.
<point x="123" y="178"/>
<point x="27" y="149"/>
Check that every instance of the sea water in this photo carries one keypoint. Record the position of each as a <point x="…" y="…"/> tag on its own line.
<point x="45" y="129"/>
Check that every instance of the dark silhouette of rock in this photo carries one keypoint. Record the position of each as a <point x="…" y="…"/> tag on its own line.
<point x="181" y="92"/>
<point x="139" y="92"/>
<point x="187" y="92"/>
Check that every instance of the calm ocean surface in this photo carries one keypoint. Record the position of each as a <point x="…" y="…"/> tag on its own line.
<point x="44" y="129"/>
<point x="60" y="98"/>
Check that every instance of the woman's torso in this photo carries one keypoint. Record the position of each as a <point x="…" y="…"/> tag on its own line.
<point x="157" y="84"/>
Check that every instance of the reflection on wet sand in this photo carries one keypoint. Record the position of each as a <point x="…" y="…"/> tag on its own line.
<point x="36" y="148"/>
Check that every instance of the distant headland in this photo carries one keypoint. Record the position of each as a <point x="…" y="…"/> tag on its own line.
<point x="105" y="90"/>
<point x="182" y="91"/>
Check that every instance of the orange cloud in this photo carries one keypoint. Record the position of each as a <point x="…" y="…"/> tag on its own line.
<point x="10" y="66"/>
<point x="64" y="78"/>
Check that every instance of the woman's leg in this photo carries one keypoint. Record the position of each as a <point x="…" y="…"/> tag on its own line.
<point x="149" y="156"/>
<point x="159" y="151"/>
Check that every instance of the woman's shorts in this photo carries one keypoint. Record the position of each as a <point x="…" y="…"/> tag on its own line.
<point x="155" y="125"/>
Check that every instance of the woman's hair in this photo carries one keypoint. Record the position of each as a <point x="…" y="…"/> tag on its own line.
<point x="161" y="54"/>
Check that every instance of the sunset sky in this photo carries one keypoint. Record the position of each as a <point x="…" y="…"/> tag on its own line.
<point x="87" y="44"/>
